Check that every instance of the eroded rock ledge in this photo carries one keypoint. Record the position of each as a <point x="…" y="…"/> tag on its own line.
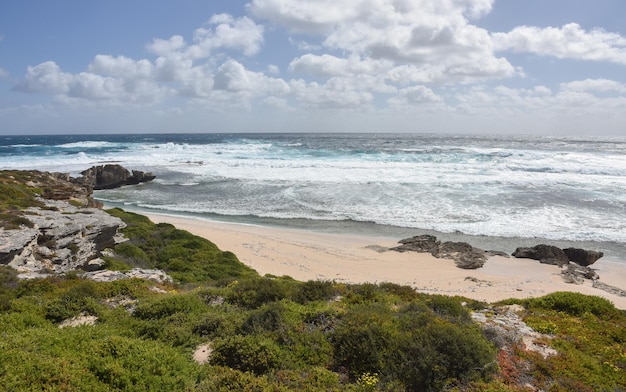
<point x="64" y="229"/>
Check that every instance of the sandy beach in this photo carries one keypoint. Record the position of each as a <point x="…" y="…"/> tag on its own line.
<point x="307" y="255"/>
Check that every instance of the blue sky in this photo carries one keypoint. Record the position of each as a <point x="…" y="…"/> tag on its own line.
<point x="464" y="66"/>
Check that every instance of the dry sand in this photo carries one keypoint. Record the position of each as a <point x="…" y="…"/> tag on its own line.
<point x="307" y="255"/>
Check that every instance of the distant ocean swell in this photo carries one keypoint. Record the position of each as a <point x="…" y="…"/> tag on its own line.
<point x="525" y="187"/>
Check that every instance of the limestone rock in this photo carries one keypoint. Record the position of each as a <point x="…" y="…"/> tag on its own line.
<point x="154" y="275"/>
<point x="63" y="238"/>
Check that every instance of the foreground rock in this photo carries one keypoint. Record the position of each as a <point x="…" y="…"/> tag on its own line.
<point x="111" y="176"/>
<point x="63" y="238"/>
<point x="63" y="230"/>
<point x="464" y="255"/>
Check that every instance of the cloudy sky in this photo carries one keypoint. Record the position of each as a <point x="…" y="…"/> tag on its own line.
<point x="479" y="66"/>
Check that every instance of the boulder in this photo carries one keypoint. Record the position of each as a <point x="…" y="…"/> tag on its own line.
<point x="421" y="243"/>
<point x="111" y="176"/>
<point x="581" y="256"/>
<point x="546" y="254"/>
<point x="464" y="255"/>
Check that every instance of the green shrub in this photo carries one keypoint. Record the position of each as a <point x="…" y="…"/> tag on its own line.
<point x="252" y="293"/>
<point x="225" y="379"/>
<point x="406" y="293"/>
<point x="78" y="299"/>
<point x="448" y="307"/>
<point x="442" y="352"/>
<point x="167" y="305"/>
<point x="364" y="339"/>
<point x="575" y="304"/>
<point x="256" y="354"/>
<point x="138" y="365"/>
<point x="314" y="290"/>
<point x="363" y="293"/>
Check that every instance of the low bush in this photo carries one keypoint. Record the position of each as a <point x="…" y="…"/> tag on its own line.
<point x="314" y="290"/>
<point x="167" y="305"/>
<point x="81" y="298"/>
<point x="252" y="293"/>
<point x="256" y="354"/>
<point x="575" y="304"/>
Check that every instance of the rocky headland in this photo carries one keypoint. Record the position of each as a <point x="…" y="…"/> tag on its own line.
<point x="50" y="224"/>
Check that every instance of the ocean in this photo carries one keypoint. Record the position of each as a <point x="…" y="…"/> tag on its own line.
<point x="494" y="191"/>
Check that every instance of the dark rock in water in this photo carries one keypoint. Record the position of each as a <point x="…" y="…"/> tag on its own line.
<point x="464" y="255"/>
<point x="546" y="254"/>
<point x="582" y="257"/>
<point x="111" y="176"/>
<point x="421" y="243"/>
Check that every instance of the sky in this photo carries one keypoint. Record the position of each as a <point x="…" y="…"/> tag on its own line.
<point x="554" y="67"/>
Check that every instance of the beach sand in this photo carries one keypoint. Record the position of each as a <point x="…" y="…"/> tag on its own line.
<point x="306" y="255"/>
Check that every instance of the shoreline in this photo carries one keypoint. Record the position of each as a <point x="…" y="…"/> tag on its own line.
<point x="352" y="258"/>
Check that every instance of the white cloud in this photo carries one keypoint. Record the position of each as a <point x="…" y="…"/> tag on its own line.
<point x="121" y="67"/>
<point x="3" y="73"/>
<point x="415" y="95"/>
<point x="600" y="85"/>
<point x="110" y="84"/>
<point x="46" y="77"/>
<point x="569" y="41"/>
<point x="327" y="65"/>
<point x="572" y="101"/>
<point x="431" y="38"/>
<point x="222" y="32"/>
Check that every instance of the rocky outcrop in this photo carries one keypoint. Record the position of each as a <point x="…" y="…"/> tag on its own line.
<point x="546" y="254"/>
<point x="153" y="275"/>
<point x="464" y="255"/>
<point x="63" y="238"/>
<point x="549" y="254"/>
<point x="421" y="243"/>
<point x="582" y="257"/>
<point x="60" y="228"/>
<point x="574" y="261"/>
<point x="111" y="176"/>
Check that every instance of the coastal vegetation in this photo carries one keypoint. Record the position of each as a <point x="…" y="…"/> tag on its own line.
<point x="275" y="333"/>
<point x="219" y="326"/>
